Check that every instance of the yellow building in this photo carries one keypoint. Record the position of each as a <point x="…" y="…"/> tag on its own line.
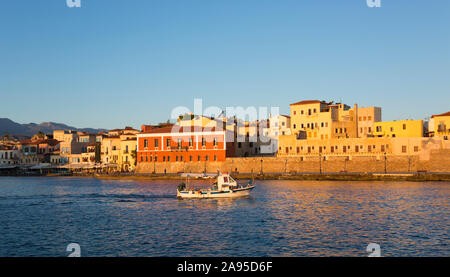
<point x="127" y="159"/>
<point x="401" y="128"/>
<point x="110" y="150"/>
<point x="371" y="146"/>
<point x="440" y="125"/>
<point x="314" y="119"/>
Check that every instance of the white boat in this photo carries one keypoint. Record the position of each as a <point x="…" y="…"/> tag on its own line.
<point x="224" y="187"/>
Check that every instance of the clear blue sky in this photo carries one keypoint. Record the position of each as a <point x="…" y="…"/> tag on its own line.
<point x="113" y="63"/>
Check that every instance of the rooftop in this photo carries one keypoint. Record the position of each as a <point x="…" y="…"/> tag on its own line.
<point x="182" y="129"/>
<point x="305" y="102"/>
<point x="442" y="114"/>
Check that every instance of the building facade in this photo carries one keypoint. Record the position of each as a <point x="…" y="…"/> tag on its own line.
<point x="183" y="144"/>
<point x="439" y="125"/>
<point x="401" y="128"/>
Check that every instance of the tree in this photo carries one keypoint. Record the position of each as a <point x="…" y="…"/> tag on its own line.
<point x="134" y="156"/>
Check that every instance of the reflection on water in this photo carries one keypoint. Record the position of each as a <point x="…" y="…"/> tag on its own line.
<point x="40" y="216"/>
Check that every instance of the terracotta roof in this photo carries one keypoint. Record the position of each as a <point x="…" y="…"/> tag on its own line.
<point x="286" y="115"/>
<point x="442" y="114"/>
<point x="182" y="129"/>
<point x="51" y="142"/>
<point x="304" y="102"/>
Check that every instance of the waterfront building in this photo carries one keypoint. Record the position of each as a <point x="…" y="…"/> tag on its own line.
<point x="401" y="128"/>
<point x="252" y="139"/>
<point x="34" y="151"/>
<point x="315" y="119"/>
<point x="9" y="155"/>
<point x="89" y="155"/>
<point x="73" y="144"/>
<point x="367" y="116"/>
<point x="372" y="146"/>
<point x="279" y="125"/>
<point x="184" y="144"/>
<point x="128" y="153"/>
<point x="110" y="149"/>
<point x="439" y="125"/>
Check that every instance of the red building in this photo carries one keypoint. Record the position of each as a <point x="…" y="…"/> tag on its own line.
<point x="183" y="144"/>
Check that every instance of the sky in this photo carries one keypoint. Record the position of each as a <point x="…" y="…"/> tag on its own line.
<point x="113" y="63"/>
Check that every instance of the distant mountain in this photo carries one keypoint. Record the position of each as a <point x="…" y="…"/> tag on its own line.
<point x="14" y="128"/>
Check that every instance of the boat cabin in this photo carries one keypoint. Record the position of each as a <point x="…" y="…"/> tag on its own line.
<point x="225" y="181"/>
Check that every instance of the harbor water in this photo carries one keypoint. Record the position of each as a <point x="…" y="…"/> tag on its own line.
<point x="40" y="216"/>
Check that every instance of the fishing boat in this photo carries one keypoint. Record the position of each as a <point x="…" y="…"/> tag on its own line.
<point x="224" y="187"/>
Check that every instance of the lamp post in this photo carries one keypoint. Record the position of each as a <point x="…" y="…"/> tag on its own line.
<point x="385" y="163"/>
<point x="154" y="165"/>
<point x="320" y="157"/>
<point x="261" y="166"/>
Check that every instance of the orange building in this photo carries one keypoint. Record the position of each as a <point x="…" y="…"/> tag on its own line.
<point x="184" y="144"/>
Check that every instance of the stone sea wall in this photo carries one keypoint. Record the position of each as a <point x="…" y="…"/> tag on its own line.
<point x="436" y="161"/>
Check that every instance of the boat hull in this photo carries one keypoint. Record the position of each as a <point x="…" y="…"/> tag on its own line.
<point x="215" y="194"/>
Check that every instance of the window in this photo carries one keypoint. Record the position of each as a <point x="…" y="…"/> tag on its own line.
<point x="404" y="126"/>
<point x="214" y="141"/>
<point x="198" y="158"/>
<point x="179" y="143"/>
<point x="164" y="158"/>
<point x="215" y="157"/>
<point x="190" y="158"/>
<point x="190" y="142"/>
<point x="176" y="158"/>
<point x="145" y="144"/>
<point x="382" y="148"/>
<point x="378" y="128"/>
<point x="181" y="158"/>
<point x="156" y="158"/>
<point x="295" y="126"/>
<point x="404" y="149"/>
<point x="203" y="142"/>
<point x="156" y="143"/>
<point x="167" y="142"/>
<point x="206" y="158"/>
<point x="416" y="148"/>
<point x="239" y="145"/>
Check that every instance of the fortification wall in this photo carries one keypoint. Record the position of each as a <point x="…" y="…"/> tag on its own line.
<point x="437" y="161"/>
